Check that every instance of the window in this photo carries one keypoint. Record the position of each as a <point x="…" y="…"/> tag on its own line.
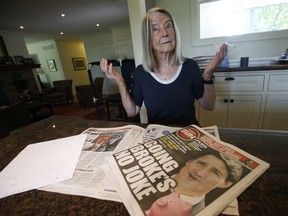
<point x="227" y="18"/>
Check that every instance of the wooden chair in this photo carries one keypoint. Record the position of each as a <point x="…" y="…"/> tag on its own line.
<point x="127" y="69"/>
<point x="84" y="96"/>
<point x="61" y="92"/>
<point x="97" y="88"/>
<point x="89" y="94"/>
<point x="66" y="87"/>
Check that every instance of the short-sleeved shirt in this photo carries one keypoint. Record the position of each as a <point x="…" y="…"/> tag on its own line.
<point x="169" y="101"/>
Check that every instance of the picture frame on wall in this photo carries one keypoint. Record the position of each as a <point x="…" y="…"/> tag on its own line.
<point x="51" y="65"/>
<point x="79" y="63"/>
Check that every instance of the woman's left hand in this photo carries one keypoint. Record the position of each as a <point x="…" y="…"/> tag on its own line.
<point x="215" y="62"/>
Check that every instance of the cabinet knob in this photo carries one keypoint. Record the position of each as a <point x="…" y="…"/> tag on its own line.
<point x="229" y="78"/>
<point x="225" y="100"/>
<point x="231" y="100"/>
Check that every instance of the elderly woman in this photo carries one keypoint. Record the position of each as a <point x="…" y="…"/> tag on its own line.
<point x="166" y="82"/>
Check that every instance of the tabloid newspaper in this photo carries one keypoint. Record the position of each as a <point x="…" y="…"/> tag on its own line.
<point x="89" y="179"/>
<point x="186" y="172"/>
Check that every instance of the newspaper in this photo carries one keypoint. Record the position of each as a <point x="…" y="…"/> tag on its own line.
<point x="186" y="172"/>
<point x="153" y="131"/>
<point x="89" y="179"/>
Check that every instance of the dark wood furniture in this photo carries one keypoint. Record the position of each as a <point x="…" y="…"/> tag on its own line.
<point x="12" y="117"/>
<point x="114" y="108"/>
<point x="61" y="92"/>
<point x="39" y="109"/>
<point x="16" y="79"/>
<point x="113" y="103"/>
<point x="84" y="96"/>
<point x="266" y="196"/>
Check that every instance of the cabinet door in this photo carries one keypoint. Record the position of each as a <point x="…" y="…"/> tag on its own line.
<point x="216" y="117"/>
<point x="244" y="111"/>
<point x="125" y="48"/>
<point x="235" y="111"/>
<point x="94" y="53"/>
<point x="276" y="112"/>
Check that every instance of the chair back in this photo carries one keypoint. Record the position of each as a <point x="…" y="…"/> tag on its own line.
<point x="127" y="70"/>
<point x="98" y="87"/>
<point x="64" y="86"/>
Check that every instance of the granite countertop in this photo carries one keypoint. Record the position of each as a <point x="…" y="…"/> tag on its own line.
<point x="267" y="195"/>
<point x="254" y="68"/>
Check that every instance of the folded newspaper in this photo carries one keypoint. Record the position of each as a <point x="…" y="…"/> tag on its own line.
<point x="186" y="172"/>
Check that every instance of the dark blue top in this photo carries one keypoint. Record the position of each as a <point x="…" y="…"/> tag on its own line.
<point x="169" y="102"/>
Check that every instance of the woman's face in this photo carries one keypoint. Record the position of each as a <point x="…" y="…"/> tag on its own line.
<point x="163" y="34"/>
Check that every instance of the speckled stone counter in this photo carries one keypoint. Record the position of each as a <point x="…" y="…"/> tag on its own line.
<point x="268" y="195"/>
<point x="254" y="68"/>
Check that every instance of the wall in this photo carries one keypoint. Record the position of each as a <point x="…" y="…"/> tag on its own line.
<point x="115" y="43"/>
<point x="16" y="46"/>
<point x="62" y="51"/>
<point x="68" y="49"/>
<point x="111" y="44"/>
<point x="15" y="43"/>
<point x="99" y="45"/>
<point x="123" y="41"/>
<point x="46" y="50"/>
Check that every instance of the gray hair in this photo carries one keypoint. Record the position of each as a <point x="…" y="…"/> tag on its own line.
<point x="149" y="62"/>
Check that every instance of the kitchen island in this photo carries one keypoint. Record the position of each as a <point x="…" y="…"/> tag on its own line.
<point x="267" y="195"/>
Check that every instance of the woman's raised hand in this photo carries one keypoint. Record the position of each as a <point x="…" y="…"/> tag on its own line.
<point x="109" y="72"/>
<point x="216" y="61"/>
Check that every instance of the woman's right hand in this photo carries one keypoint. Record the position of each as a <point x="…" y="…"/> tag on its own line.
<point x="110" y="73"/>
<point x="127" y="101"/>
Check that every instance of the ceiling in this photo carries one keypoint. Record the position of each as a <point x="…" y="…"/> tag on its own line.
<point x="41" y="19"/>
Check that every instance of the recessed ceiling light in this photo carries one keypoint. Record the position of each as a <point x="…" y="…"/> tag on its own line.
<point x="97" y="25"/>
<point x="61" y="33"/>
<point x="62" y="15"/>
<point x="21" y="27"/>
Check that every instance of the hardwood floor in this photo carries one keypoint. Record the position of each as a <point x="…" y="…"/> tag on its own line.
<point x="74" y="109"/>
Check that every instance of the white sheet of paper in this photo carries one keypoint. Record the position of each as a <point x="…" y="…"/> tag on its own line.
<point x="41" y="164"/>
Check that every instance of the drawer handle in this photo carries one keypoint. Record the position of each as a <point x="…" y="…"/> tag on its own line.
<point x="229" y="78"/>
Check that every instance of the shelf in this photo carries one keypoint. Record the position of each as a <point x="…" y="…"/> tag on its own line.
<point x="17" y="67"/>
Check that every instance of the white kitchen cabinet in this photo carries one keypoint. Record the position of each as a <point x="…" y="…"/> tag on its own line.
<point x="234" y="111"/>
<point x="276" y="113"/>
<point x="238" y="101"/>
<point x="276" y="107"/>
<point x="249" y="99"/>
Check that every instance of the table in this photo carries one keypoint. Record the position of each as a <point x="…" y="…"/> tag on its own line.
<point x="268" y="195"/>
